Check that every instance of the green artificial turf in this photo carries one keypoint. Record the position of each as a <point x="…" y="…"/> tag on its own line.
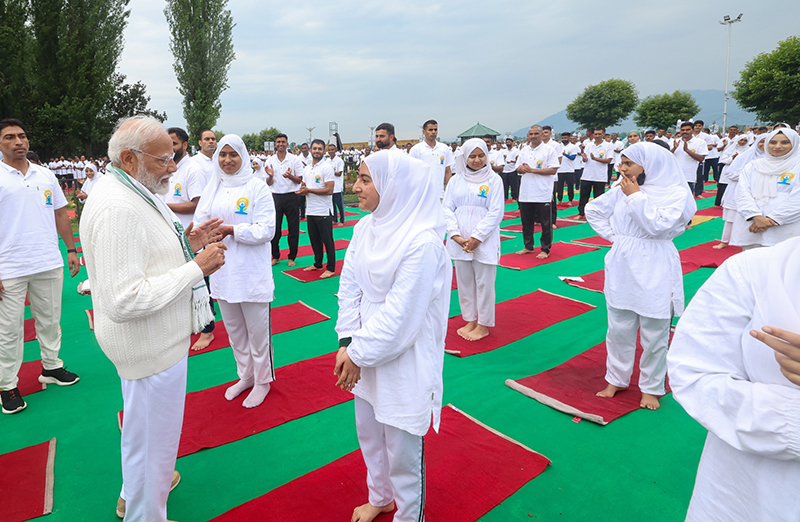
<point x="639" y="467"/>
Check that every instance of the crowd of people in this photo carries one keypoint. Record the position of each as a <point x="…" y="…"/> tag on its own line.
<point x="167" y="237"/>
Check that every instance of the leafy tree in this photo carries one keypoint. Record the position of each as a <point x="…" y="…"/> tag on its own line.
<point x="202" y="44"/>
<point x="605" y="104"/>
<point x="662" y="111"/>
<point x="15" y="60"/>
<point x="255" y="141"/>
<point x="770" y="84"/>
<point x="129" y="100"/>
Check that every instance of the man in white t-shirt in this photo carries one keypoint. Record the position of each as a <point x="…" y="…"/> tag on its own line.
<point x="305" y="159"/>
<point x="437" y="155"/>
<point x="689" y="151"/>
<point x="317" y="186"/>
<point x="284" y="173"/>
<point x="702" y="171"/>
<point x="33" y="210"/>
<point x="597" y="155"/>
<point x="660" y="136"/>
<point x="570" y="152"/>
<point x="510" y="177"/>
<point x="338" y="186"/>
<point x="208" y="144"/>
<point x="537" y="165"/>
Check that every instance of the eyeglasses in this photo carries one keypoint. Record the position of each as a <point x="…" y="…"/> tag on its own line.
<point x="163" y="159"/>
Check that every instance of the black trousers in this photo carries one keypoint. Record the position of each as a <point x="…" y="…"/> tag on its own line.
<point x="698" y="183"/>
<point x="708" y="164"/>
<point x="286" y="205"/>
<point x="320" y="233"/>
<point x="610" y="171"/>
<point x="568" y="179"/>
<point x="338" y="204"/>
<point x="597" y="188"/>
<point x="531" y="213"/>
<point x="510" y="182"/>
<point x="302" y="207"/>
<point x="578" y="174"/>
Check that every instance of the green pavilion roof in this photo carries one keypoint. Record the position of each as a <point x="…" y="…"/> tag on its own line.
<point x="478" y="131"/>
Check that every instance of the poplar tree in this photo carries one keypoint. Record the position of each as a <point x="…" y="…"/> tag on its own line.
<point x="202" y="43"/>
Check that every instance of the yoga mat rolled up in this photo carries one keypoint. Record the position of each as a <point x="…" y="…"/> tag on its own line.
<point x="515" y="319"/>
<point x="558" y="252"/>
<point x="27" y="482"/>
<point x="469" y="469"/>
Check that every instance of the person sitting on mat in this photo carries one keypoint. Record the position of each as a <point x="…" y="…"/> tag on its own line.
<point x="733" y="366"/>
<point x="643" y="212"/>
<point x="473" y="209"/>
<point x="394" y="299"/>
<point x="243" y="287"/>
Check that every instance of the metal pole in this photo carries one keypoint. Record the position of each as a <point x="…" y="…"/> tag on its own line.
<point x="727" y="72"/>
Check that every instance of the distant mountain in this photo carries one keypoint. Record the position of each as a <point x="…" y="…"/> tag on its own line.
<point x="709" y="101"/>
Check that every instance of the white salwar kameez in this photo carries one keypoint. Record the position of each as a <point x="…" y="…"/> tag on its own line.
<point x="731" y="383"/>
<point x="643" y="278"/>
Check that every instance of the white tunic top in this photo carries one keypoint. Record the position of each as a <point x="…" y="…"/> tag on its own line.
<point x="732" y="385"/>
<point x="399" y="343"/>
<point x="185" y="184"/>
<point x="643" y="268"/>
<point x="474" y="210"/>
<point x="784" y="209"/>
<point x="246" y="276"/>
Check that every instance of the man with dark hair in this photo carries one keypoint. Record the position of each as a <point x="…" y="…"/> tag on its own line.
<point x="689" y="151"/>
<point x="570" y="152"/>
<point x="317" y="186"/>
<point x="537" y="166"/>
<point x="437" y="155"/>
<point x="284" y="174"/>
<point x="702" y="169"/>
<point x="384" y="136"/>
<point x="32" y="213"/>
<point x="305" y="158"/>
<point x="208" y="144"/>
<point x="596" y="156"/>
<point x="509" y="174"/>
<point x="649" y="135"/>
<point x="338" y="177"/>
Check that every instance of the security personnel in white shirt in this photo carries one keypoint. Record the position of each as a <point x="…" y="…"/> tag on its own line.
<point x="208" y="144"/>
<point x="597" y="155"/>
<point x="689" y="151"/>
<point x="437" y="155"/>
<point x="510" y="177"/>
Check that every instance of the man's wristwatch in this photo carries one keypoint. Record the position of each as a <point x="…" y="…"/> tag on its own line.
<point x="72" y="250"/>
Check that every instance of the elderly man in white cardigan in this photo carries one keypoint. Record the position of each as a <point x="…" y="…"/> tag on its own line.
<point x="148" y="295"/>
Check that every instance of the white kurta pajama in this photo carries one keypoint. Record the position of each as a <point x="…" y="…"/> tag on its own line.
<point x="731" y="384"/>
<point x="475" y="210"/>
<point x="730" y="176"/>
<point x="244" y="287"/>
<point x="397" y="321"/>
<point x="784" y="209"/>
<point x="643" y="278"/>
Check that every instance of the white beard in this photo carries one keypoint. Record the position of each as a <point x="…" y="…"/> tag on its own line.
<point x="150" y="181"/>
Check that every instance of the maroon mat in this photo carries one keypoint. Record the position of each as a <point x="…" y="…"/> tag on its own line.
<point x="29" y="332"/>
<point x="571" y="387"/>
<point x="299" y="389"/>
<point x="515" y="319"/>
<point x="306" y="250"/>
<point x="560" y="223"/>
<point x="469" y="469"/>
<point x="558" y="252"/>
<point x="27" y="482"/>
<point x="306" y="277"/>
<point x="710" y="211"/>
<point x="705" y="256"/>
<point x="593" y="240"/>
<point x="28" y="376"/>
<point x="566" y="204"/>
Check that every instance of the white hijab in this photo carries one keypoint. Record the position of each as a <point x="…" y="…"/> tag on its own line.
<point x="764" y="185"/>
<point x="664" y="181"/>
<point x="473" y="176"/>
<point x="409" y="207"/>
<point x="745" y="158"/>
<point x="219" y="177"/>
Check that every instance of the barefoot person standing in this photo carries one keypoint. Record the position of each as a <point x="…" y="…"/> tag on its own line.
<point x="394" y="298"/>
<point x="537" y="165"/>
<point x="317" y="187"/>
<point x="641" y="215"/>
<point x="473" y="209"/>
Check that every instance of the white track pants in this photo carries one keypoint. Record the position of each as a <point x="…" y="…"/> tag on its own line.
<point x="395" y="462"/>
<point x="44" y="292"/>
<point x="476" y="291"/>
<point x="250" y="333"/>
<point x="621" y="346"/>
<point x="151" y="431"/>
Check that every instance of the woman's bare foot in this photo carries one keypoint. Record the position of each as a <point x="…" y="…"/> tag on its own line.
<point x="203" y="342"/>
<point x="311" y="268"/>
<point x="274" y="261"/>
<point x="720" y="246"/>
<point x="609" y="391"/>
<point x="326" y="274"/>
<point x="368" y="512"/>
<point x="467" y="328"/>
<point x="291" y="262"/>
<point x="524" y="251"/>
<point x="479" y="332"/>
<point x="649" y="402"/>
<point x="543" y="255"/>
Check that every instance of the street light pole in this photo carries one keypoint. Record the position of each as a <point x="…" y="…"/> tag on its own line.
<point x="728" y="21"/>
<point x="310" y="137"/>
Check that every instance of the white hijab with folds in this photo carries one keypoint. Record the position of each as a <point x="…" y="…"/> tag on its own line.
<point x="664" y="177"/>
<point x="745" y="158"/>
<point x="219" y="177"/>
<point x="409" y="206"/>
<point x="461" y="167"/>
<point x="764" y="185"/>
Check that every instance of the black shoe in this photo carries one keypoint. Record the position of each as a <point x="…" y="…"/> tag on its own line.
<point x="58" y="376"/>
<point x="12" y="401"/>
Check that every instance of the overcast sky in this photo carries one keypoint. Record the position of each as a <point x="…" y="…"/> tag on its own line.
<point x="359" y="63"/>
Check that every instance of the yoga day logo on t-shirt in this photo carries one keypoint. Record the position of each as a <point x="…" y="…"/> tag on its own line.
<point x="786" y="178"/>
<point x="178" y="189"/>
<point x="602" y="154"/>
<point x="483" y="190"/>
<point x="539" y="164"/>
<point x="241" y="205"/>
<point x="317" y="179"/>
<point x="48" y="198"/>
<point x="441" y="160"/>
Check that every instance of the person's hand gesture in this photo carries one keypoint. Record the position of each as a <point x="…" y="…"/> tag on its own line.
<point x="471" y="245"/>
<point x="347" y="372"/>
<point x="460" y="240"/>
<point x="628" y="186"/>
<point x="787" y="350"/>
<point x="203" y="234"/>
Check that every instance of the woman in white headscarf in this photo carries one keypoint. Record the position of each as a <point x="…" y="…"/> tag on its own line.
<point x="473" y="209"/>
<point x="394" y="299"/>
<point x="244" y="289"/>
<point x="768" y="195"/>
<point x="738" y="157"/>
<point x="258" y="169"/>
<point x="643" y="212"/>
<point x="91" y="179"/>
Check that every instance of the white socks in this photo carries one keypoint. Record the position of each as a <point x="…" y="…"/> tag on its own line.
<point x="235" y="390"/>
<point x="256" y="396"/>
